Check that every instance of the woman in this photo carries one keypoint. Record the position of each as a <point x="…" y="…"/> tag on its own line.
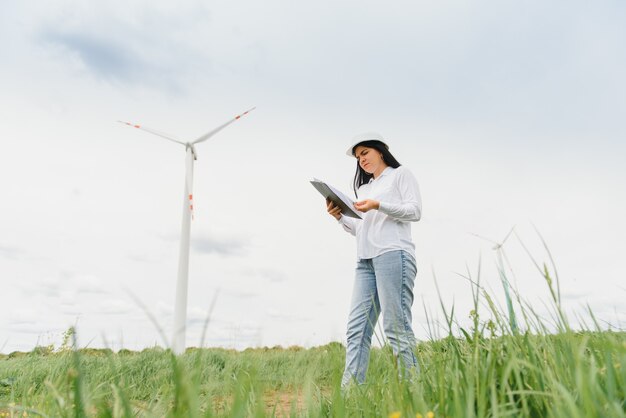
<point x="389" y="198"/>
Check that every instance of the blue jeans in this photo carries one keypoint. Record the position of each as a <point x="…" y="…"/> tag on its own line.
<point x="383" y="284"/>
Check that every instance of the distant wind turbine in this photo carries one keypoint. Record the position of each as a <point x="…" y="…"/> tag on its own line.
<point x="180" y="307"/>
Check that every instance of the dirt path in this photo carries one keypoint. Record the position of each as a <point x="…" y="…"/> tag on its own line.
<point x="281" y="403"/>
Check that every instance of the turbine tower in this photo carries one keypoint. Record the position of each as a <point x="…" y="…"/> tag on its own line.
<point x="180" y="307"/>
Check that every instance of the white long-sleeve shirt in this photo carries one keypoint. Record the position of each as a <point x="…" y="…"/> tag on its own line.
<point x="388" y="228"/>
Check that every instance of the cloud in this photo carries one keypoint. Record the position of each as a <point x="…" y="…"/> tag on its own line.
<point x="234" y="332"/>
<point x="87" y="283"/>
<point x="164" y="309"/>
<point x="271" y="275"/>
<point x="66" y="286"/>
<point x="114" y="307"/>
<point x="196" y="315"/>
<point x="575" y="294"/>
<point x="20" y="316"/>
<point x="142" y="258"/>
<point x="31" y="321"/>
<point x="239" y="293"/>
<point x="10" y="252"/>
<point x="213" y="242"/>
<point x="34" y="328"/>
<point x="104" y="57"/>
<point x="70" y="309"/>
<point x="49" y="286"/>
<point x="287" y="316"/>
<point x="220" y="246"/>
<point x="117" y="42"/>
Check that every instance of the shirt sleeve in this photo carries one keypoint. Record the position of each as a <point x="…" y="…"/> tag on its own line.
<point x="409" y="209"/>
<point x="349" y="224"/>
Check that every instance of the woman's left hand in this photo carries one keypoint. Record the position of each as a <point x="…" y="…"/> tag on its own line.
<point x="367" y="205"/>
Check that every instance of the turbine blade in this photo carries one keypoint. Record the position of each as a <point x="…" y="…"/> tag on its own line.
<point x="219" y="128"/>
<point x="152" y="131"/>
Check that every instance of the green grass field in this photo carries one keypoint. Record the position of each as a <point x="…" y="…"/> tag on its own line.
<point x="508" y="363"/>
<point x="564" y="375"/>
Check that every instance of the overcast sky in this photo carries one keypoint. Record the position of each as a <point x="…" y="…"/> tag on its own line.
<point x="510" y="115"/>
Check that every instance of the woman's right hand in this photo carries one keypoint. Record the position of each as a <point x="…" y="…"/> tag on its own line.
<point x="334" y="210"/>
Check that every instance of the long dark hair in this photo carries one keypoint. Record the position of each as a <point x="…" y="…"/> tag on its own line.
<point x="361" y="177"/>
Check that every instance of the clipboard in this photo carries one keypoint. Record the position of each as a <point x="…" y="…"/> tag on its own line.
<point x="344" y="202"/>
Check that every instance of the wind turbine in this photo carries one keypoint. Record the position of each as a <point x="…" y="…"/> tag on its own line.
<point x="180" y="307"/>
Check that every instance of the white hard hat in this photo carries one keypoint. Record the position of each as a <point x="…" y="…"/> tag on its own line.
<point x="368" y="136"/>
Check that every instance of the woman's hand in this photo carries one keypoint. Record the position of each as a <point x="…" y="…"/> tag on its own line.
<point x="333" y="209"/>
<point x="367" y="205"/>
